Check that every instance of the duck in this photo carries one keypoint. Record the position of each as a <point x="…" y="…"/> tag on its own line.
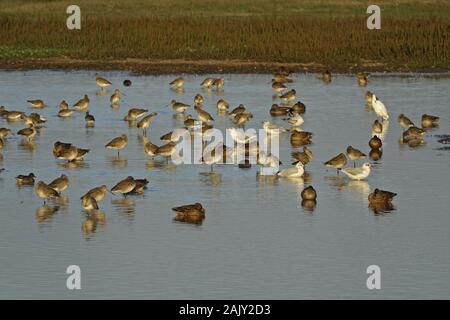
<point x="362" y="79"/>
<point x="277" y="110"/>
<point x="300" y="138"/>
<point x="326" y="76"/>
<point x="375" y="142"/>
<point x="141" y="184"/>
<point x="189" y="211"/>
<point x="309" y="193"/>
<point x="304" y="157"/>
<point x="288" y="96"/>
<point x="381" y="197"/>
<point x="429" y="121"/>
<point x="25" y="180"/>
<point x="298" y="107"/>
<point x="377" y="127"/>
<point x="413" y="133"/>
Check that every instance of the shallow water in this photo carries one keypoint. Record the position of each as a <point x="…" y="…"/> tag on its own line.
<point x="256" y="241"/>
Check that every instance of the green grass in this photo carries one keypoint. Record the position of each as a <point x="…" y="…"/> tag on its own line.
<point x="414" y="34"/>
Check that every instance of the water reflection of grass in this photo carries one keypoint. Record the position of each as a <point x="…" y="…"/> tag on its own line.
<point x="414" y="33"/>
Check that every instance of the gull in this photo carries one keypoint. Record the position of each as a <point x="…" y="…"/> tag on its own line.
<point x="358" y="173"/>
<point x="240" y="137"/>
<point x="268" y="160"/>
<point x="296" y="120"/>
<point x="272" y="128"/>
<point x="294" y="172"/>
<point x="379" y="108"/>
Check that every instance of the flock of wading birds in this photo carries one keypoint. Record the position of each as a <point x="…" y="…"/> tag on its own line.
<point x="379" y="200"/>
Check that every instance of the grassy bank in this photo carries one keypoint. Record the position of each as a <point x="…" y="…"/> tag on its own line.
<point x="414" y="34"/>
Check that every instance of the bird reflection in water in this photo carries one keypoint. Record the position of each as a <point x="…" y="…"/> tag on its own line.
<point x="74" y="165"/>
<point x="154" y="164"/>
<point x="212" y="179"/>
<point x="125" y="207"/>
<point x="94" y="219"/>
<point x="45" y="212"/>
<point x="28" y="146"/>
<point x="117" y="162"/>
<point x="102" y="92"/>
<point x="381" y="208"/>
